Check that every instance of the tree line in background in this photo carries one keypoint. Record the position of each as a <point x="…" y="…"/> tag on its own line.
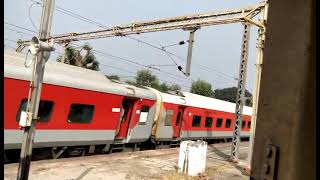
<point x="201" y="87"/>
<point x="74" y="56"/>
<point x="146" y="78"/>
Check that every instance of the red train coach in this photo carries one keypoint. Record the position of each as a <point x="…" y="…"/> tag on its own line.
<point x="82" y="108"/>
<point x="78" y="107"/>
<point x="190" y="116"/>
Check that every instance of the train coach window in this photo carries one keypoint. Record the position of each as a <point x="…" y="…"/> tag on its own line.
<point x="80" y="113"/>
<point x="243" y="124"/>
<point x="44" y="112"/>
<point x="169" y="116"/>
<point x="144" y="115"/>
<point x="196" y="121"/>
<point x="228" y="123"/>
<point x="219" y="122"/>
<point x="208" y="123"/>
<point x="249" y="124"/>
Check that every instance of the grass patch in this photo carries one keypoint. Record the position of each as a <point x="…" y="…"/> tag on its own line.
<point x="208" y="174"/>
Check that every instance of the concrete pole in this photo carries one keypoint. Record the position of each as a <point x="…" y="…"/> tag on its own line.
<point x="35" y="89"/>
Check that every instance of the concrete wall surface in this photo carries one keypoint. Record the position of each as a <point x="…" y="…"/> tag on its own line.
<point x="286" y="114"/>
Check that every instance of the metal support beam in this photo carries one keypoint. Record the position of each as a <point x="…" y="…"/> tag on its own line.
<point x="256" y="90"/>
<point x="240" y="92"/>
<point x="35" y="90"/>
<point x="255" y="96"/>
<point x="180" y="22"/>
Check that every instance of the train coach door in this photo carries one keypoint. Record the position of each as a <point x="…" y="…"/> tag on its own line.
<point x="125" y="116"/>
<point x="178" y="122"/>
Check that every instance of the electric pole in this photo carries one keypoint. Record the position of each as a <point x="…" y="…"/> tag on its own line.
<point x="240" y="92"/>
<point x="35" y="91"/>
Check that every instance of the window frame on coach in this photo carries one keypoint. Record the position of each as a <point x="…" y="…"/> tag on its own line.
<point x="193" y="119"/>
<point x="219" y="118"/>
<point x="89" y="106"/>
<point x="228" y="122"/>
<point x="249" y="124"/>
<point x="206" y="122"/>
<point x="243" y="124"/>
<point x="143" y="107"/>
<point x="169" y="117"/>
<point x="23" y="106"/>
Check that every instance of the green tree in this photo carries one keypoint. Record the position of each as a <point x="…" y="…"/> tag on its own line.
<point x="202" y="87"/>
<point x="73" y="57"/>
<point x="146" y="78"/>
<point x="229" y="94"/>
<point x="114" y="77"/>
<point x="131" y="82"/>
<point x="163" y="87"/>
<point x="175" y="87"/>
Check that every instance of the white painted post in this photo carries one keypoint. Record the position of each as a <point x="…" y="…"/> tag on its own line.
<point x="192" y="157"/>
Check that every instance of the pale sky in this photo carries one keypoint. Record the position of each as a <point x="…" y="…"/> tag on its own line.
<point x="216" y="48"/>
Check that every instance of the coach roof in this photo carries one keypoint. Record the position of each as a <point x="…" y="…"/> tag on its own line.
<point x="70" y="76"/>
<point x="195" y="100"/>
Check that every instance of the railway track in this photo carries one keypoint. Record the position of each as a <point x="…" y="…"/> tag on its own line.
<point x="46" y="154"/>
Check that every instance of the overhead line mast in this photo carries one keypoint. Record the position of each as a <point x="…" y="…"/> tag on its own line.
<point x="182" y="22"/>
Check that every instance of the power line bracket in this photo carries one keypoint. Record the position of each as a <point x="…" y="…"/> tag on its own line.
<point x="270" y="162"/>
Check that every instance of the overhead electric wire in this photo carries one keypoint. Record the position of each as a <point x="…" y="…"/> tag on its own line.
<point x="111" y="56"/>
<point x="177" y="77"/>
<point x="170" y="45"/>
<point x="161" y="65"/>
<point x="20" y="27"/>
<point x="118" y="68"/>
<point x="19" y="32"/>
<point x="10" y="40"/>
<point x="160" y="79"/>
<point x="132" y="62"/>
<point x="110" y="66"/>
<point x="138" y="40"/>
<point x="70" y="13"/>
<point x="75" y="15"/>
<point x="117" y="57"/>
<point x="30" y="18"/>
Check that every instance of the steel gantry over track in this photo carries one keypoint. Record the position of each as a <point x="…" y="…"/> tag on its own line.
<point x="191" y="23"/>
<point x="182" y="22"/>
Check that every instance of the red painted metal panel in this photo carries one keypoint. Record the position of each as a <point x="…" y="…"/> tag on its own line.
<point x="177" y="123"/>
<point x="175" y="108"/>
<point x="135" y="118"/>
<point x="128" y="107"/>
<point x="189" y="112"/>
<point x="103" y="117"/>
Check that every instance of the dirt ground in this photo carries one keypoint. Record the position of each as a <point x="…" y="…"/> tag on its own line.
<point x="152" y="164"/>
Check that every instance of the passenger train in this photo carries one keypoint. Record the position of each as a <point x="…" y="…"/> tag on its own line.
<point x="82" y="109"/>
